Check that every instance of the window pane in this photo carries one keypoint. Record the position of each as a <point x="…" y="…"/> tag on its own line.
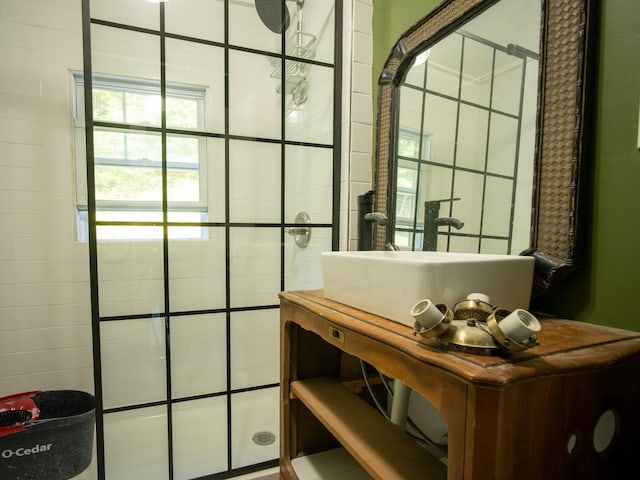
<point x="183" y="150"/>
<point x="408" y="147"/>
<point x="107" y="105"/>
<point x="108" y="144"/>
<point x="141" y="146"/>
<point x="408" y="177"/>
<point x="405" y="206"/>
<point x="182" y="112"/>
<point x="128" y="183"/>
<point x="143" y="108"/>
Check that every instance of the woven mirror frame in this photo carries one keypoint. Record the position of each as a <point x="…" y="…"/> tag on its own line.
<point x="564" y="77"/>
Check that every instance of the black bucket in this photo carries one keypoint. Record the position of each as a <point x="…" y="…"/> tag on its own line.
<point x="56" y="443"/>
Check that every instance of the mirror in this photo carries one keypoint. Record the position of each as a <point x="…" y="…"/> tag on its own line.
<point x="481" y="131"/>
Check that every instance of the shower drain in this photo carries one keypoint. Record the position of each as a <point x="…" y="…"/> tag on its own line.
<point x="263" y="438"/>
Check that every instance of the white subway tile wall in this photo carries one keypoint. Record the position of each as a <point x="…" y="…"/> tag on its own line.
<point x="357" y="141"/>
<point x="245" y="19"/>
<point x="255" y="352"/>
<point x="198" y="356"/>
<point x="130" y="278"/>
<point x="133" y="362"/>
<point x="143" y="14"/>
<point x="257" y="108"/>
<point x="254" y="263"/>
<point x="45" y="326"/>
<point x="184" y="65"/>
<point x="197" y="269"/>
<point x="302" y="269"/>
<point x="197" y="18"/>
<point x="45" y="332"/>
<point x="308" y="178"/>
<point x="254" y="181"/>
<point x="317" y="110"/>
<point x="125" y="53"/>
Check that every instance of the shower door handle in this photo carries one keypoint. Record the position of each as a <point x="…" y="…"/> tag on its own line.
<point x="301" y="235"/>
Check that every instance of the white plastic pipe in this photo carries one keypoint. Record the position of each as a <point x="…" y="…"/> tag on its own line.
<point x="400" y="404"/>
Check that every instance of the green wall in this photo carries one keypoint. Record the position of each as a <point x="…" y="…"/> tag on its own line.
<point x="603" y="290"/>
<point x="391" y="18"/>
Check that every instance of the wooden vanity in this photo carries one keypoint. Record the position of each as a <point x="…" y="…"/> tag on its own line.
<point x="529" y="415"/>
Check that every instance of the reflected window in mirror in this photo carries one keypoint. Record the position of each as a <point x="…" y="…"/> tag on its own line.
<point x="465" y="136"/>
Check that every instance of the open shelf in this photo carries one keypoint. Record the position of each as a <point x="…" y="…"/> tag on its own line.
<point x="382" y="448"/>
<point x="331" y="464"/>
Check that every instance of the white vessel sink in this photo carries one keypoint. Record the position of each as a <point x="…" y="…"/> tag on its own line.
<point x="389" y="283"/>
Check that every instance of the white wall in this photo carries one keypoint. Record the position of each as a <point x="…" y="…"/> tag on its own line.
<point x="45" y="317"/>
<point x="357" y="116"/>
<point x="45" y="340"/>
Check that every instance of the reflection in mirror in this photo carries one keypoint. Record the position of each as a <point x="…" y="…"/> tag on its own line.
<point x="465" y="136"/>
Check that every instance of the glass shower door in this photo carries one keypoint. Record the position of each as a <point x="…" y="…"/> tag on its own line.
<point x="200" y="154"/>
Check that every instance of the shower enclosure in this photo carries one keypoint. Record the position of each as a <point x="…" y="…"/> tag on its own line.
<point x="207" y="134"/>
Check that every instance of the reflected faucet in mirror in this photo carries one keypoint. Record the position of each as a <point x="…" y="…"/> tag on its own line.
<point x="433" y="220"/>
<point x="367" y="218"/>
<point x="377" y="217"/>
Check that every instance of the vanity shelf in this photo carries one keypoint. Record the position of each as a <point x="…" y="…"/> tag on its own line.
<point x="373" y="441"/>
<point x="528" y="416"/>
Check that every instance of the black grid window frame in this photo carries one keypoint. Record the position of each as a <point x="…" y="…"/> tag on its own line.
<point x="163" y="130"/>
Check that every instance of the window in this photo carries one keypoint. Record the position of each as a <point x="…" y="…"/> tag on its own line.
<point x="413" y="149"/>
<point x="128" y="155"/>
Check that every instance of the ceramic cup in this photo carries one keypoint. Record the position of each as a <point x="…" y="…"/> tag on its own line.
<point x="519" y="325"/>
<point x="426" y="314"/>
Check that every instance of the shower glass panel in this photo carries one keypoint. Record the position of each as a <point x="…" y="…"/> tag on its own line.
<point x="201" y="19"/>
<point x="139" y="14"/>
<point x="308" y="182"/>
<point x="248" y="30"/>
<point x="199" y="437"/>
<point x="255" y="177"/>
<point x="195" y="68"/>
<point x="201" y="154"/>
<point x="198" y="354"/>
<point x="135" y="444"/>
<point x="133" y="362"/>
<point x="254" y="348"/>
<point x="253" y="94"/>
<point x="196" y="257"/>
<point x="310" y="99"/>
<point x="130" y="279"/>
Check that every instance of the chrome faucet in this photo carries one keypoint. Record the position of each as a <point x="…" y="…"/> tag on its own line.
<point x="433" y="220"/>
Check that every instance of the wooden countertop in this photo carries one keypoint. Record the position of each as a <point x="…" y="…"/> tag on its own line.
<point x="564" y="345"/>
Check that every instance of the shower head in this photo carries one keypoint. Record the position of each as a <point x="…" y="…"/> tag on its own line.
<point x="274" y="14"/>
